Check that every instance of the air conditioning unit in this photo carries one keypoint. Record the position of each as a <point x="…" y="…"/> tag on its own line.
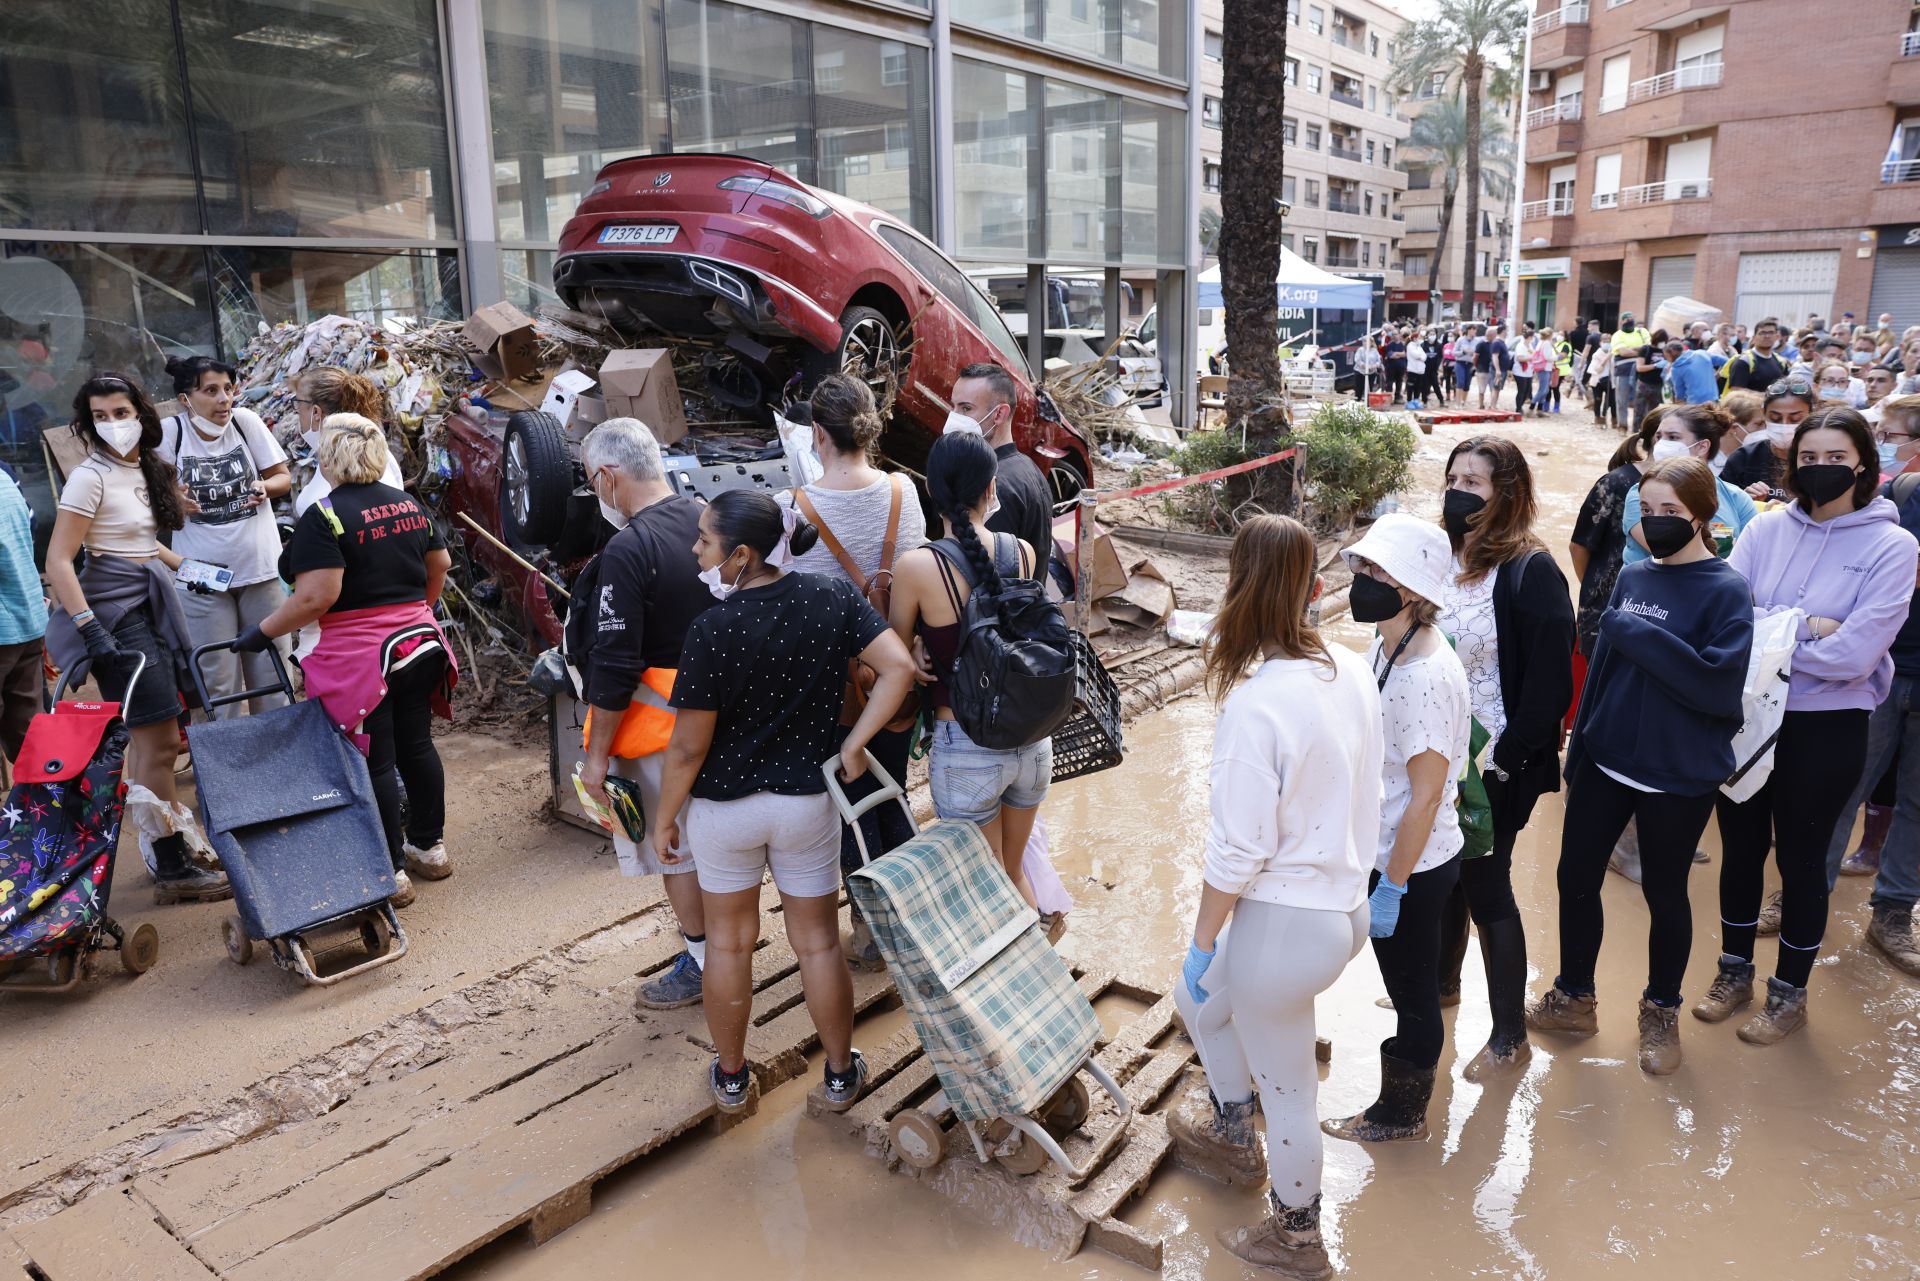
<point x="1540" y="81"/>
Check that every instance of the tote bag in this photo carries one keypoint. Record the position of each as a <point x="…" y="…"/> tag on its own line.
<point x="1763" y="702"/>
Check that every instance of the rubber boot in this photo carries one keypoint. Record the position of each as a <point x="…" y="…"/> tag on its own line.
<point x="178" y="879"/>
<point x="1400" y="1113"/>
<point x="1558" y="1011"/>
<point x="1503" y="946"/>
<point x="1784" y="1014"/>
<point x="1865" y="861"/>
<point x="1287" y="1241"/>
<point x="1892" y="932"/>
<point x="1454" y="921"/>
<point x="1732" y="988"/>
<point x="1218" y="1140"/>
<point x="1659" y="1038"/>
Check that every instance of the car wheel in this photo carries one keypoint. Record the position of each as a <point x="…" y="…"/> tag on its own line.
<point x="1065" y="480"/>
<point x="536" y="480"/>
<point x="870" y="351"/>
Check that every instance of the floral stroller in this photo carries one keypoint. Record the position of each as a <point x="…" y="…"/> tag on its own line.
<point x="58" y="831"/>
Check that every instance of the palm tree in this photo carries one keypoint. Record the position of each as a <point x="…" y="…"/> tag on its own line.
<point x="1463" y="41"/>
<point x="1439" y="137"/>
<point x="1252" y="166"/>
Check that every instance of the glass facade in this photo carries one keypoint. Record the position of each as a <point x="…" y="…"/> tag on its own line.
<point x="1140" y="35"/>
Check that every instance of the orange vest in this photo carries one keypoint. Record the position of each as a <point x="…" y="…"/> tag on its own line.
<point x="647" y="723"/>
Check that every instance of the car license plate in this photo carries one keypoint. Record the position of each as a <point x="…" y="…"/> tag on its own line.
<point x="652" y="233"/>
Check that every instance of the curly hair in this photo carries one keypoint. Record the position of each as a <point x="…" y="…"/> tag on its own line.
<point x="337" y="391"/>
<point x="163" y="482"/>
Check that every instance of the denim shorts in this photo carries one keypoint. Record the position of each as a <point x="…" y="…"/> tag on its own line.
<point x="973" y="783"/>
<point x="156" y="698"/>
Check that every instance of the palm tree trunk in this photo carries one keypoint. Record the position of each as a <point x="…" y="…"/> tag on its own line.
<point x="1253" y="166"/>
<point x="1452" y="189"/>
<point x="1474" y="68"/>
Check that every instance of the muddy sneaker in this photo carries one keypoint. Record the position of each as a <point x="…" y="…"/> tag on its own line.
<point x="1288" y="1241"/>
<point x="1218" y="1140"/>
<point x="732" y="1091"/>
<point x="1053" y="925"/>
<point x="1732" y="988"/>
<point x="1770" y="917"/>
<point x="1659" y="1038"/>
<point x="1447" y="1000"/>
<point x="1784" y="1014"/>
<point x="1496" y="1061"/>
<point x="1892" y="932"/>
<point x="1558" y="1011"/>
<point x="402" y="895"/>
<point x="178" y="879"/>
<point x="429" y="864"/>
<point x="842" y="1089"/>
<point x="679" y="986"/>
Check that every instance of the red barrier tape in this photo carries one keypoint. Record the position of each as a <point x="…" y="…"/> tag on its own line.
<point x="1184" y="481"/>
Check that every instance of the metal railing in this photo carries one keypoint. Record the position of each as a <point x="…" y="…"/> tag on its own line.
<point x="1910" y="44"/>
<point x="1568" y="109"/>
<point x="1606" y="200"/>
<point x="1351" y="99"/>
<point x="1615" y="4"/>
<point x="1341" y="153"/>
<point x="1553" y="207"/>
<point x="1900" y="171"/>
<point x="1337" y="204"/>
<point x="1701" y="76"/>
<point x="1398" y="216"/>
<point x="1565" y="15"/>
<point x="1340" y="260"/>
<point x="1657" y="193"/>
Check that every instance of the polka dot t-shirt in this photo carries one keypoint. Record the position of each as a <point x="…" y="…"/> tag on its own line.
<point x="1423" y="708"/>
<point x="772" y="662"/>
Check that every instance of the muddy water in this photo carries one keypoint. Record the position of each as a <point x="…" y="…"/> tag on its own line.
<point x="1796" y="1161"/>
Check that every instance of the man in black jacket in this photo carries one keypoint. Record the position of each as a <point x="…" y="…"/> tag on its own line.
<point x="984" y="396"/>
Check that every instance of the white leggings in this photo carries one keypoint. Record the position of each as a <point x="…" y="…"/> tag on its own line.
<point x="1257" y="1025"/>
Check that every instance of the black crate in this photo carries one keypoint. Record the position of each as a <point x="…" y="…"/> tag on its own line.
<point x="1090" y="740"/>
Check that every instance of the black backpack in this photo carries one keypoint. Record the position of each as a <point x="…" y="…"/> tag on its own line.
<point x="1014" y="677"/>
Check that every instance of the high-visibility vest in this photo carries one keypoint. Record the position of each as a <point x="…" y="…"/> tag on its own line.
<point x="1624" y="339"/>
<point x="647" y="723"/>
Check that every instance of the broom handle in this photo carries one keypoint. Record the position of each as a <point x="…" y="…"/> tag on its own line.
<point x="516" y="557"/>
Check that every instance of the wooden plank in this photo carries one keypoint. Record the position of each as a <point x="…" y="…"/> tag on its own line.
<point x="778" y="1050"/>
<point x="107" y="1237"/>
<point x="13" y="1260"/>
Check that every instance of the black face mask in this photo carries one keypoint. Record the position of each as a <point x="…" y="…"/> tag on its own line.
<point x="1456" y="508"/>
<point x="1824" y="482"/>
<point x="1666" y="535"/>
<point x="1372" y="601"/>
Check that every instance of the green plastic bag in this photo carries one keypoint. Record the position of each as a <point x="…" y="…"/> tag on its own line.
<point x="1476" y="811"/>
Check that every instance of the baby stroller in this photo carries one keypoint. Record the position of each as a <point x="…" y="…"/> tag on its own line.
<point x="62" y="822"/>
<point x="1002" y="1021"/>
<point x="288" y="806"/>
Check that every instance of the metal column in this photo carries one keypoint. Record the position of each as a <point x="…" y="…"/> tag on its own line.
<point x="466" y="46"/>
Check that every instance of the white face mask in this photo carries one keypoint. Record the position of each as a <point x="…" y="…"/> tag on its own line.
<point x="611" y="515"/>
<point x="721" y="590"/>
<point x="1780" y="435"/>
<point x="313" y="440"/>
<point x="119" y="437"/>
<point x="1665" y="449"/>
<point x="957" y="422"/>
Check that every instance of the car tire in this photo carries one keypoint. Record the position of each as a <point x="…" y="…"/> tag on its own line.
<point x="536" y="480"/>
<point x="870" y="349"/>
<point x="1065" y="480"/>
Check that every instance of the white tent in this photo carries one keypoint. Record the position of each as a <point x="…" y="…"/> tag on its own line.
<point x="1300" y="284"/>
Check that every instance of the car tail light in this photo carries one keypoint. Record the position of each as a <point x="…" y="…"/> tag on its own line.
<point x="778" y="191"/>
<point x="600" y="188"/>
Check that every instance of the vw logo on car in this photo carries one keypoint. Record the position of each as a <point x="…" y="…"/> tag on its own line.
<point x="662" y="178"/>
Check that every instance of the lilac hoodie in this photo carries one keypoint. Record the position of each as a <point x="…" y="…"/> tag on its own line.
<point x="1858" y="568"/>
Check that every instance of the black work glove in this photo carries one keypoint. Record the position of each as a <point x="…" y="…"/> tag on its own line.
<point x="100" y="643"/>
<point x="251" y="641"/>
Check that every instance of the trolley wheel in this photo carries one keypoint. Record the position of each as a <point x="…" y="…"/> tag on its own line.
<point x="140" y="950"/>
<point x="1026" y="1158"/>
<point x="61" y="966"/>
<point x="920" y="1142"/>
<point x="305" y="953"/>
<point x="1069" y="1108"/>
<point x="373" y="936"/>
<point x="234" y="935"/>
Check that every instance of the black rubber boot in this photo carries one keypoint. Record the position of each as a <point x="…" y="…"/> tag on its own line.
<point x="1503" y="947"/>
<point x="178" y="879"/>
<point x="1454" y="919"/>
<point x="1401" y="1110"/>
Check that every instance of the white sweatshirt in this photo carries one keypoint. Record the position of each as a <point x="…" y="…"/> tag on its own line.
<point x="1297" y="758"/>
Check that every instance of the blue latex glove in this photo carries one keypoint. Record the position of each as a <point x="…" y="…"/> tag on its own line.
<point x="1384" y="904"/>
<point x="1193" y="969"/>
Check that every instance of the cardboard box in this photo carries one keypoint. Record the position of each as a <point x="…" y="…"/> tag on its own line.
<point x="1109" y="575"/>
<point x="638" y="383"/>
<point x="504" y="337"/>
<point x="564" y="392"/>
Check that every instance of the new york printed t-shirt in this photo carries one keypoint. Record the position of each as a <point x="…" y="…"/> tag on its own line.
<point x="219" y="474"/>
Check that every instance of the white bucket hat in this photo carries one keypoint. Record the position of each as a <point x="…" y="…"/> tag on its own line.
<point x="1416" y="552"/>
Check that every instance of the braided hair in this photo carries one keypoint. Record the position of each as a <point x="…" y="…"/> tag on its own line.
<point x="162" y="481"/>
<point x="960" y="467"/>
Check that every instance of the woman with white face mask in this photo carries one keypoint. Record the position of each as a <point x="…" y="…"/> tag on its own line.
<point x="1690" y="431"/>
<point x="320" y="393"/>
<point x="1760" y="465"/>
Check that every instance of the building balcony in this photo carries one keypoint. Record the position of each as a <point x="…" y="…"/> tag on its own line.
<point x="1903" y="74"/>
<point x="1910" y="44"/>
<point x="1659" y="193"/>
<point x="1664" y="105"/>
<point x="1343" y="204"/>
<point x="1700" y="76"/>
<point x="1554" y="113"/>
<point x="1553" y="132"/>
<point x="1560" y="37"/>
<point x="1351" y="99"/>
<point x="1554" y="19"/>
<point x="1341" y="260"/>
<point x="1342" y="153"/>
<point x="1554" y="207"/>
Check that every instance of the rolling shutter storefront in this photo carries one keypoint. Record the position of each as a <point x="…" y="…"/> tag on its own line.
<point x="1789" y="286"/>
<point x="1896" y="285"/>
<point x="1667" y="278"/>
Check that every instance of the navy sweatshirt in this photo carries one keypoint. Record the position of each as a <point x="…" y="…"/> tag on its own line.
<point x="1906" y="646"/>
<point x="1662" y="699"/>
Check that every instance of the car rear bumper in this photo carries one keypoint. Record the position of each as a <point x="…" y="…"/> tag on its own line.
<point x="691" y="294"/>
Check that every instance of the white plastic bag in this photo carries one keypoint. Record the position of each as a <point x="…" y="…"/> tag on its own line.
<point x="797" y="440"/>
<point x="1763" y="702"/>
<point x="151" y="819"/>
<point x="1049" y="894"/>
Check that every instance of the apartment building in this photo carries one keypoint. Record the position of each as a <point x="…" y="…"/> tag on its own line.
<point x="1425" y="194"/>
<point x="1343" y="133"/>
<point x="1759" y="155"/>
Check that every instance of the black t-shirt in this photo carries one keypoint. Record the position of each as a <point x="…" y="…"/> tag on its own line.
<point x="1483" y="354"/>
<point x="1756" y="372"/>
<point x="1649" y="377"/>
<point x="1591" y="341"/>
<point x="772" y="662"/>
<point x="379" y="535"/>
<point x="1026" y="505"/>
<point x="648" y="593"/>
<point x="1754" y="461"/>
<point x="1395" y="352"/>
<point x="1598" y="529"/>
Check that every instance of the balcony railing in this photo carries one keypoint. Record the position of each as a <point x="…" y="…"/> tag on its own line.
<point x="1910" y="44"/>
<point x="1345" y="41"/>
<point x="1565" y="15"/>
<point x="1606" y="200"/>
<point x="1398" y="216"/>
<point x="1659" y="193"/>
<point x="1615" y="4"/>
<point x="1339" y="152"/>
<point x="1554" y="207"/>
<point x="1700" y="76"/>
<point x="1336" y="204"/>
<point x="1900" y="171"/>
<point x="1351" y="99"/>
<point x="1541" y="117"/>
<point x="1341" y="260"/>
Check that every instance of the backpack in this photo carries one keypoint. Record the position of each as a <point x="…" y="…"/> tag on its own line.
<point x="877" y="591"/>
<point x="1014" y="674"/>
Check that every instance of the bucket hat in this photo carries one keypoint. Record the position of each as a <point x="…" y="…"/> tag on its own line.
<point x="1416" y="552"/>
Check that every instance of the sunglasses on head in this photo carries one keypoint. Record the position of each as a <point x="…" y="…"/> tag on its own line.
<point x="1791" y="387"/>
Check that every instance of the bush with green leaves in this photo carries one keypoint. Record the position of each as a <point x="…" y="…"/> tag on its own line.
<point x="1355" y="458"/>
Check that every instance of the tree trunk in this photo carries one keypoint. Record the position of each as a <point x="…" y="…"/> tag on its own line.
<point x="1474" y="68"/>
<point x="1452" y="190"/>
<point x="1253" y="165"/>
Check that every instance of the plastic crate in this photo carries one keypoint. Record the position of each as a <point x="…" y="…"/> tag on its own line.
<point x="1090" y="740"/>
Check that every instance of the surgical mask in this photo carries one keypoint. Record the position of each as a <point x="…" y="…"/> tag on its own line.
<point x="1664" y="449"/>
<point x="1456" y="508"/>
<point x="1824" y="482"/>
<point x="721" y="590"/>
<point x="313" y="440"/>
<point x="1889" y="457"/>
<point x="959" y="422"/>
<point x="1373" y="601"/>
<point x="1666" y="535"/>
<point x="1780" y="435"/>
<point x="1833" y="393"/>
<point x="119" y="437"/>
